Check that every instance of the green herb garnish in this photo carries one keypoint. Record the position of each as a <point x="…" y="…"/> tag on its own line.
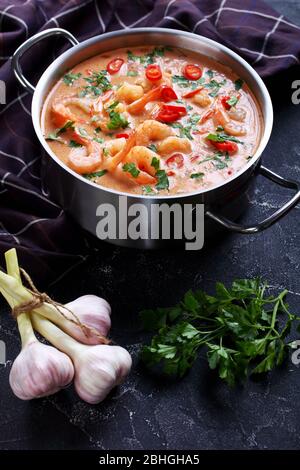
<point x="98" y="84"/>
<point x="162" y="180"/>
<point x="181" y="81"/>
<point x="132" y="73"/>
<point x="155" y="163"/>
<point x="152" y="147"/>
<point x="55" y="135"/>
<point x="196" y="175"/>
<point x="70" y="78"/>
<point x="214" y="86"/>
<point x="238" y="84"/>
<point x="238" y="326"/>
<point x="223" y="138"/>
<point x="117" y="121"/>
<point x="233" y="101"/>
<point x="74" y="144"/>
<point x="132" y="169"/>
<point x="96" y="174"/>
<point x="147" y="189"/>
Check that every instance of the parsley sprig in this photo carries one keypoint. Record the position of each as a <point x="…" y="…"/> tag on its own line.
<point x="238" y="326"/>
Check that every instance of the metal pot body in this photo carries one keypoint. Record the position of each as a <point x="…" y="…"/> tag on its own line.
<point x="82" y="198"/>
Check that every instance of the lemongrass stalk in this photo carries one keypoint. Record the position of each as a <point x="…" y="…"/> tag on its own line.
<point x="15" y="293"/>
<point x="24" y="324"/>
<point x="55" y="335"/>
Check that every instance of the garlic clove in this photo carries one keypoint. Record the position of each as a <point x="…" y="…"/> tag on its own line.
<point x="98" y="369"/>
<point x="40" y="370"/>
<point x="93" y="311"/>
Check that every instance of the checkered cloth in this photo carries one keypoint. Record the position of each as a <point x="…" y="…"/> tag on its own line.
<point x="48" y="242"/>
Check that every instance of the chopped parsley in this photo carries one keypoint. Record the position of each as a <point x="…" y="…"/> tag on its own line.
<point x="196" y="175"/>
<point x="96" y="174"/>
<point x="219" y="160"/>
<point x="238" y="84"/>
<point x="132" y="169"/>
<point x="116" y="121"/>
<point x="148" y="58"/>
<point x="209" y="73"/>
<point x="55" y="135"/>
<point x="155" y="163"/>
<point x="181" y="81"/>
<point x="74" y="144"/>
<point x="98" y="84"/>
<point x="152" y="147"/>
<point x="214" y="86"/>
<point x="233" y="101"/>
<point x="223" y="138"/>
<point x="70" y="78"/>
<point x="99" y="140"/>
<point x="162" y="180"/>
<point x="147" y="189"/>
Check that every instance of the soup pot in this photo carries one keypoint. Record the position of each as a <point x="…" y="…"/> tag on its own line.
<point x="81" y="198"/>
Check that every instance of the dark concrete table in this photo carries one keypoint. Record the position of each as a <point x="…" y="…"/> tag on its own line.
<point x="197" y="412"/>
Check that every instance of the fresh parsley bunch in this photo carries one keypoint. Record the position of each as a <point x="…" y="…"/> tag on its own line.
<point x="238" y="326"/>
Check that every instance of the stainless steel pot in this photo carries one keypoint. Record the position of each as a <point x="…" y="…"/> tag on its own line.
<point x="81" y="197"/>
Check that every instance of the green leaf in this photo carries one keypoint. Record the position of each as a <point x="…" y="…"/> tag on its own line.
<point x="117" y="121"/>
<point x="155" y="163"/>
<point x="163" y="181"/>
<point x="152" y="147"/>
<point x="222" y="138"/>
<point x="70" y="78"/>
<point x="233" y="101"/>
<point x="74" y="144"/>
<point x="96" y="174"/>
<point x="132" y="169"/>
<point x="197" y="175"/>
<point x="238" y="84"/>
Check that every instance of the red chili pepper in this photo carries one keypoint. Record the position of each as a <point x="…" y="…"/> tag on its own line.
<point x="194" y="158"/>
<point x="168" y="94"/>
<point x="122" y="134"/>
<point x="192" y="72"/>
<point x="192" y="93"/>
<point x="114" y="65"/>
<point x="170" y="173"/>
<point x="153" y="72"/>
<point x="224" y="100"/>
<point x="226" y="146"/>
<point x="175" y="161"/>
<point x="170" y="113"/>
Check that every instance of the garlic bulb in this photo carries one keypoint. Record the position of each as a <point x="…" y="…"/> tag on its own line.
<point x="39" y="370"/>
<point x="92" y="311"/>
<point x="98" y="368"/>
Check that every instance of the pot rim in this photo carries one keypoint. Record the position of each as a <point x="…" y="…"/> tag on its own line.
<point x="39" y="91"/>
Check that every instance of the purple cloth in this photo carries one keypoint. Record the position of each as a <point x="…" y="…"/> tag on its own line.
<point x="48" y="241"/>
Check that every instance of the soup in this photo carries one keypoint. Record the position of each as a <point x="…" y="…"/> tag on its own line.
<point x="152" y="120"/>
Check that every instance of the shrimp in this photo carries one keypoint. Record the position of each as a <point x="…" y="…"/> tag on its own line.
<point x="142" y="158"/>
<point x="237" y="114"/>
<point x="129" y="93"/>
<point x="152" y="130"/>
<point x="112" y="162"/>
<point x="202" y="99"/>
<point x="116" y="145"/>
<point x="174" y="144"/>
<point x="137" y="106"/>
<point x="61" y="112"/>
<point x="221" y="117"/>
<point x="85" y="159"/>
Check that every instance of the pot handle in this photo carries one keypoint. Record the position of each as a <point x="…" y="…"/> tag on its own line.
<point x="28" y="44"/>
<point x="233" y="227"/>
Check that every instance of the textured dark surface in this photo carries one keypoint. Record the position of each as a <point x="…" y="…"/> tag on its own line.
<point x="198" y="412"/>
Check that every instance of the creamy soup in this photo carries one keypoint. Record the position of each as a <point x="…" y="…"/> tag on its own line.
<point x="152" y="120"/>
